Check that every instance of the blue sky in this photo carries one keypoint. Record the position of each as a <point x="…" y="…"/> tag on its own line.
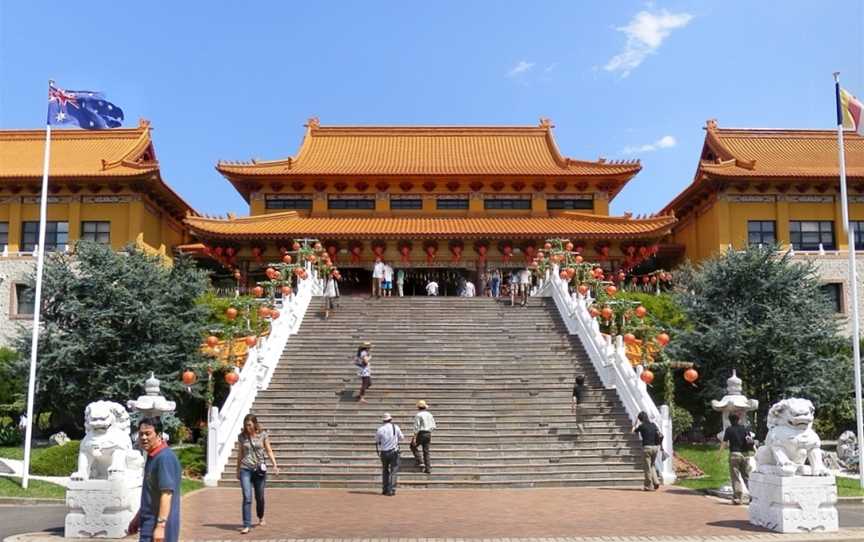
<point x="623" y="79"/>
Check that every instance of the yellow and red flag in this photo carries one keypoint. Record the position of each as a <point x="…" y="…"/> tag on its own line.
<point x="850" y="111"/>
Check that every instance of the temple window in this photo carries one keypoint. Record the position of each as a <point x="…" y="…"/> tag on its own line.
<point x="406" y="204"/>
<point x="97" y="232"/>
<point x="760" y="232"/>
<point x="858" y="228"/>
<point x="808" y="235"/>
<point x="4" y="234"/>
<point x="350" y="203"/>
<point x="24" y="300"/>
<point x="834" y="292"/>
<point x="56" y="236"/>
<point x="288" y="202"/>
<point x="451" y="203"/>
<point x="569" y="204"/>
<point x="507" y="203"/>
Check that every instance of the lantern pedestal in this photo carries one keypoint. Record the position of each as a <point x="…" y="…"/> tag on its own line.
<point x="793" y="504"/>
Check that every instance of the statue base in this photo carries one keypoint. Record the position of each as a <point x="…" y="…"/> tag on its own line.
<point x="102" y="508"/>
<point x="793" y="504"/>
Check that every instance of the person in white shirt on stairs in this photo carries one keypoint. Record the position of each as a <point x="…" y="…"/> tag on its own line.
<point x="387" y="440"/>
<point x="387" y="283"/>
<point x="377" y="277"/>
<point x="470" y="289"/>
<point x="364" y="369"/>
<point x="432" y="288"/>
<point x="424" y="424"/>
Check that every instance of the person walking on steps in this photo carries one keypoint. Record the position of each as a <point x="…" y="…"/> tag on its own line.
<point x="578" y="399"/>
<point x="387" y="440"/>
<point x="252" y="468"/>
<point x="741" y="447"/>
<point x="400" y="281"/>
<point x="388" y="280"/>
<point x="363" y="361"/>
<point x="330" y="295"/>
<point x="524" y="285"/>
<point x="424" y="424"/>
<point x="652" y="438"/>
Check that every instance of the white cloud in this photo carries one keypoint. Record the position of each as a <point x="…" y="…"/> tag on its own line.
<point x="521" y="67"/>
<point x="645" y="33"/>
<point x="665" y="142"/>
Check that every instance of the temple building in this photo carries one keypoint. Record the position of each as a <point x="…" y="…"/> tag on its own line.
<point x="766" y="186"/>
<point x="104" y="186"/>
<point x="436" y="201"/>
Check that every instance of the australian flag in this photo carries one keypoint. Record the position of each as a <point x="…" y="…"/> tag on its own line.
<point x="89" y="110"/>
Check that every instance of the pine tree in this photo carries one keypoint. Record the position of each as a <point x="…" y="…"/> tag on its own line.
<point x="764" y="315"/>
<point x="108" y="320"/>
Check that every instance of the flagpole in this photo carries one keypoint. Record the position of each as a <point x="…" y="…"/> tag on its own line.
<point x="853" y="282"/>
<point x="34" y="345"/>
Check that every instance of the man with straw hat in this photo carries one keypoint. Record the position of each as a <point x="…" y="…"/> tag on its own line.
<point x="424" y="424"/>
<point x="387" y="446"/>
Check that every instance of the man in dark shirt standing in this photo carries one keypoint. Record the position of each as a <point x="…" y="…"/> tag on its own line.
<point x="740" y="448"/>
<point x="578" y="399"/>
<point x="651" y="440"/>
<point x="158" y="519"/>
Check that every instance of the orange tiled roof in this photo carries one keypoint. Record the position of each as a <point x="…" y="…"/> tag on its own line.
<point x="117" y="153"/>
<point x="780" y="153"/>
<point x="427" y="150"/>
<point x="770" y="154"/>
<point x="78" y="153"/>
<point x="290" y="224"/>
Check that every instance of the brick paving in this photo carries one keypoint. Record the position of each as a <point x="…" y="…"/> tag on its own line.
<point x="214" y="514"/>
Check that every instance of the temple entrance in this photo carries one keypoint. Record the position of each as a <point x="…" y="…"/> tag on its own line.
<point x="357" y="281"/>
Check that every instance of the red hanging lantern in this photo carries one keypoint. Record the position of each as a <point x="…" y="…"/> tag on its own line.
<point x="333" y="252"/>
<point x="355" y="253"/>
<point x="274" y="314"/>
<point x="578" y="259"/>
<point x="251" y="340"/>
<point x="539" y="255"/>
<point x="593" y="312"/>
<point x="611" y="290"/>
<point x="629" y="338"/>
<point x="481" y="251"/>
<point x="529" y="253"/>
<point x="212" y="341"/>
<point x="691" y="375"/>
<point x="237" y="275"/>
<point x="230" y="252"/>
<point x="583" y="290"/>
<point x="303" y="274"/>
<point x="641" y="311"/>
<point x="231" y="313"/>
<point x="263" y="311"/>
<point x="568" y="246"/>
<point x="270" y="272"/>
<point x="607" y="313"/>
<point x="622" y="276"/>
<point x="286" y="290"/>
<point x="231" y="378"/>
<point x="662" y="339"/>
<point x="296" y="246"/>
<point x="563" y="275"/>
<point x="189" y="377"/>
<point x="647" y="376"/>
<point x="506" y="252"/>
<point x="258" y="291"/>
<point x="457" y="252"/>
<point x="547" y="246"/>
<point x="256" y="253"/>
<point x="317" y="246"/>
<point x="645" y="280"/>
<point x="218" y="251"/>
<point x="286" y="259"/>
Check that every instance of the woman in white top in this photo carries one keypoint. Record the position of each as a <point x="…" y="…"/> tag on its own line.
<point x="330" y="296"/>
<point x="364" y="369"/>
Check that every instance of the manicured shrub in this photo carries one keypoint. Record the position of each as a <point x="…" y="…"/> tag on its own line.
<point x="57" y="460"/>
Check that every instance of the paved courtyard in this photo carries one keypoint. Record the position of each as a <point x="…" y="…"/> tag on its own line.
<point x="583" y="512"/>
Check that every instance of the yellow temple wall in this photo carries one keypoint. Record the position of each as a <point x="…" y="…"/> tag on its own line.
<point x="125" y="212"/>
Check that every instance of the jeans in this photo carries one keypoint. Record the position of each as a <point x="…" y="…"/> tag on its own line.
<point x="389" y="471"/>
<point x="250" y="479"/>
<point x="496" y="288"/>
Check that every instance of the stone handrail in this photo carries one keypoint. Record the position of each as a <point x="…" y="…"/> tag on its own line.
<point x="225" y="424"/>
<point x="611" y="363"/>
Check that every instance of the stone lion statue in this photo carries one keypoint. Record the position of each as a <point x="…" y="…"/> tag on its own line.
<point x="107" y="446"/>
<point x="791" y="441"/>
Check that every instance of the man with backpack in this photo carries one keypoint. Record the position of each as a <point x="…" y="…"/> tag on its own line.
<point x="652" y="438"/>
<point x="387" y="445"/>
<point x="741" y="447"/>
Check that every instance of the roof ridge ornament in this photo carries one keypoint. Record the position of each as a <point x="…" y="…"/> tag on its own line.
<point x="711" y="124"/>
<point x="313" y="122"/>
<point x="546" y="122"/>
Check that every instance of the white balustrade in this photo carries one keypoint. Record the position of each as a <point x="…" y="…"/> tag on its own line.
<point x="225" y="424"/>
<point x="610" y="361"/>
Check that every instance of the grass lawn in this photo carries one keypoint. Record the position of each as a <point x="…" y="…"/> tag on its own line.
<point x="716" y="467"/>
<point x="11" y="487"/>
<point x="17" y="452"/>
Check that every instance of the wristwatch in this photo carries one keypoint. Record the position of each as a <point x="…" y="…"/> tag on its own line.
<point x="161" y="520"/>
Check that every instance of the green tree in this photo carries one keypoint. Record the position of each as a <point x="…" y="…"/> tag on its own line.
<point x="764" y="315"/>
<point x="108" y="320"/>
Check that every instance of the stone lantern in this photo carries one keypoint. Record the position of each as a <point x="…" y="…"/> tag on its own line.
<point x="734" y="402"/>
<point x="152" y="404"/>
